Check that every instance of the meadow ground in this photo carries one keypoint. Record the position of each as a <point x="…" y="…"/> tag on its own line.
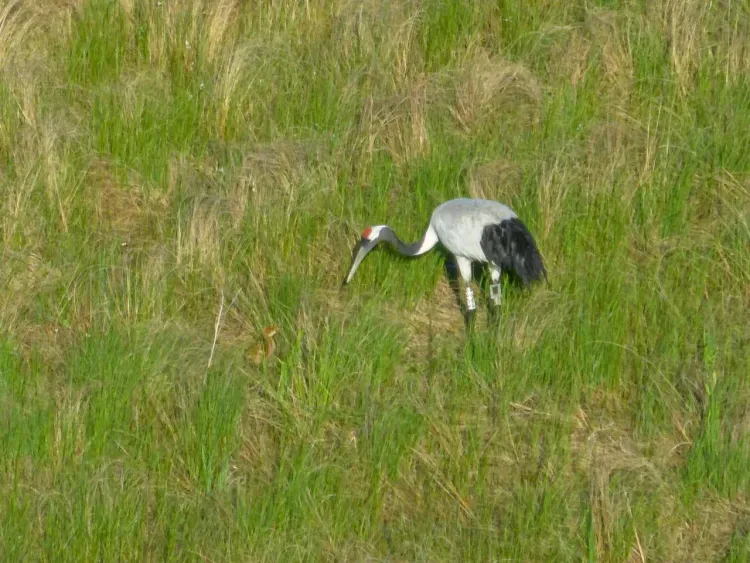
<point x="178" y="175"/>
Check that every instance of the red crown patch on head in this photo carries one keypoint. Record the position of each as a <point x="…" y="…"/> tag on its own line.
<point x="366" y="233"/>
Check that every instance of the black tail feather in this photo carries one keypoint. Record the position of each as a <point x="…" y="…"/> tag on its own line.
<point x="509" y="245"/>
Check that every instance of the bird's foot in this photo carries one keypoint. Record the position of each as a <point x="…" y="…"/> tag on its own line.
<point x="469" y="318"/>
<point x="493" y="315"/>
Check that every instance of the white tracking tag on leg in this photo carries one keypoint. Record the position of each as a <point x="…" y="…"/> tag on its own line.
<point x="495" y="293"/>
<point x="470" y="304"/>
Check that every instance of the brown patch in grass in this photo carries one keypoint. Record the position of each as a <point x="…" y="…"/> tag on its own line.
<point x="130" y="213"/>
<point x="260" y="433"/>
<point x="16" y="19"/>
<point x="49" y="340"/>
<point x="602" y="35"/>
<point x="604" y="446"/>
<point x="553" y="190"/>
<point x="538" y="312"/>
<point x="614" y="151"/>
<point x="607" y="31"/>
<point x="570" y="55"/>
<point x="222" y="17"/>
<point x="488" y="86"/>
<point x="685" y="22"/>
<point x="707" y="536"/>
<point x="600" y="452"/>
<point x="396" y="124"/>
<point x="498" y="180"/>
<point x="727" y="202"/>
<point x="435" y="318"/>
<point x="230" y="77"/>
<point x="406" y="498"/>
<point x="199" y="245"/>
<point x="23" y="277"/>
<point x="382" y="31"/>
<point x="69" y="429"/>
<point x="271" y="174"/>
<point x="734" y="44"/>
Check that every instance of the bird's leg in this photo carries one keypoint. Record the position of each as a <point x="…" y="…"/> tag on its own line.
<point x="471" y="304"/>
<point x="464" y="266"/>
<point x="451" y="272"/>
<point x="495" y="291"/>
<point x="471" y="307"/>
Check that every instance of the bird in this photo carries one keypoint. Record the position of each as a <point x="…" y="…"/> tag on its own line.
<point x="473" y="230"/>
<point x="258" y="353"/>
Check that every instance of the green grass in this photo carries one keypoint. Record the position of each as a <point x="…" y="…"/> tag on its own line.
<point x="178" y="175"/>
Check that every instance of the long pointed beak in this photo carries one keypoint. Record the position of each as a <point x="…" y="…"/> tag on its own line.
<point x="361" y="249"/>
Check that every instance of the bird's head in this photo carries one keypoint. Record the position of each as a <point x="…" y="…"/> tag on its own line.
<point x="368" y="240"/>
<point x="371" y="234"/>
<point x="270" y="331"/>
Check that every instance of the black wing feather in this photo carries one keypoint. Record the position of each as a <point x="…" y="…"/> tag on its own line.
<point x="509" y="245"/>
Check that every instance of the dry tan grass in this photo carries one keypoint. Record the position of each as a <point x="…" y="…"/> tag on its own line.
<point x="69" y="434"/>
<point x="133" y="214"/>
<point x="40" y="141"/>
<point x="292" y="17"/>
<point x="16" y="19"/>
<point x="49" y="340"/>
<point x="235" y="66"/>
<point x="394" y="116"/>
<point x="684" y="23"/>
<point x="382" y="31"/>
<point x="41" y="147"/>
<point x="602" y="35"/>
<point x="499" y="180"/>
<point x="221" y="16"/>
<point x="18" y="203"/>
<point x="436" y="320"/>
<point x="272" y="174"/>
<point x="489" y="85"/>
<point x="261" y="424"/>
<point x="200" y="224"/>
<point x="608" y="34"/>
<point x="199" y="244"/>
<point x="553" y="190"/>
<point x="190" y="29"/>
<point x="600" y="450"/>
<point x="735" y="50"/>
<point x="437" y="456"/>
<point x="605" y="447"/>
<point x="570" y="55"/>
<point x="730" y="199"/>
<point x="396" y="124"/>
<point x="29" y="29"/>
<point x="24" y="274"/>
<point x="706" y="537"/>
<point x="614" y="154"/>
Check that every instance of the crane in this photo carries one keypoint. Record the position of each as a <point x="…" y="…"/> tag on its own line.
<point x="473" y="230"/>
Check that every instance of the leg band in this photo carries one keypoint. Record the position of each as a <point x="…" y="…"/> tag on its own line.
<point x="495" y="293"/>
<point x="470" y="304"/>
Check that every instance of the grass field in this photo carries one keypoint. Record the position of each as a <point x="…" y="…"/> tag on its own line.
<point x="178" y="175"/>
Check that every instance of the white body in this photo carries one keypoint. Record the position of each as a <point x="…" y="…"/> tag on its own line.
<point x="459" y="223"/>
